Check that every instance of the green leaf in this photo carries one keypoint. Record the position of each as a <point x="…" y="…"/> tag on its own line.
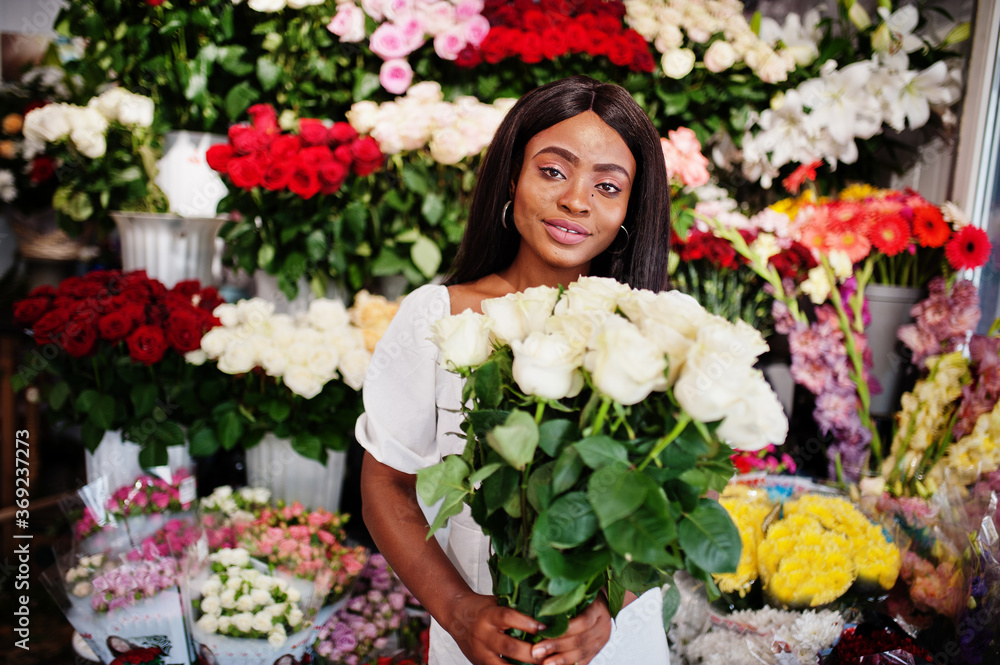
<point x="709" y="538"/>
<point x="426" y="256"/>
<point x="487" y="384"/>
<point x="316" y="245"/>
<point x="203" y="443"/>
<point x="309" y="446"/>
<point x="539" y="490"/>
<point x="517" y="568"/>
<point x="366" y="85"/>
<point x="239" y="98"/>
<point x="268" y="72"/>
<point x="432" y="208"/>
<point x="564" y="603"/>
<point x="126" y="175"/>
<point x="168" y="433"/>
<point x="153" y="454"/>
<point x="91" y="435"/>
<point x="671" y="603"/>
<point x="279" y="410"/>
<point x="601" y="451"/>
<point x="553" y="434"/>
<point x="143" y="398"/>
<point x="451" y="506"/>
<point x="265" y="257"/>
<point x="433" y="482"/>
<point x="102" y="411"/>
<point x="614" y="493"/>
<point x="568" y="522"/>
<point x="567" y="470"/>
<point x="294" y="266"/>
<point x="229" y="430"/>
<point x="58" y="395"/>
<point x="516" y="439"/>
<point x="482" y="474"/>
<point x="642" y="536"/>
<point x="499" y="488"/>
<point x="415" y="180"/>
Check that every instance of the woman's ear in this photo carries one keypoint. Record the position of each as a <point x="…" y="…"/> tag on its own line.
<point x="510" y="191"/>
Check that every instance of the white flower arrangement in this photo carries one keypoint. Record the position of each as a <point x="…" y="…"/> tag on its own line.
<point x="304" y="352"/>
<point x="244" y="502"/>
<point x="239" y="601"/>
<point x="421" y="118"/>
<point x="79" y="578"/>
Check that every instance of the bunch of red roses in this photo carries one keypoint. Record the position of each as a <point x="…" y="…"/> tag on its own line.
<point x="112" y="307"/>
<point x="792" y="262"/>
<point x="316" y="160"/>
<point x="533" y="31"/>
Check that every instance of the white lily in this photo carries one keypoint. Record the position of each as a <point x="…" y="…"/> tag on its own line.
<point x="840" y="103"/>
<point x="920" y="90"/>
<point x="901" y="24"/>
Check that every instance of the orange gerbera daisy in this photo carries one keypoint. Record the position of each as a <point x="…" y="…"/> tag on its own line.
<point x="928" y="225"/>
<point x="856" y="245"/>
<point x="890" y="234"/>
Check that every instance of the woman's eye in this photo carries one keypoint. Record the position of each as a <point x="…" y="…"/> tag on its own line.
<point x="550" y="171"/>
<point x="608" y="188"/>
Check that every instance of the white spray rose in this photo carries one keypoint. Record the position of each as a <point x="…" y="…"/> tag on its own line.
<point x="756" y="420"/>
<point x="227" y="599"/>
<point x="276" y="639"/>
<point x="353" y="366"/>
<point x="546" y="365"/>
<point x="327" y="314"/>
<point x="211" y="605"/>
<point x="82" y="589"/>
<point x="447" y="146"/>
<point x="208" y="623"/>
<point x="262" y="622"/>
<point x="243" y="622"/>
<point x="224" y="624"/>
<point x="245" y="603"/>
<point x="136" y="110"/>
<point x="46" y="124"/>
<point x="91" y="144"/>
<point x="720" y="56"/>
<point x="294" y="617"/>
<point x="677" y="62"/>
<point x="301" y="381"/>
<point x="363" y="116"/>
<point x="625" y="365"/>
<point x="227" y="314"/>
<point x="715" y="373"/>
<point x="464" y="339"/>
<point x="260" y="597"/>
<point x="238" y="358"/>
<point x="293" y="595"/>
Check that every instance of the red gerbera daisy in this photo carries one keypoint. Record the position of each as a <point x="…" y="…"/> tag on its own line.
<point x="890" y="235"/>
<point x="929" y="226"/>
<point x="968" y="249"/>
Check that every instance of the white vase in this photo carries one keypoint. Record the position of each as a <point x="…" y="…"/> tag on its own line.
<point x="118" y="460"/>
<point x="266" y="287"/>
<point x="274" y="464"/>
<point x="168" y="247"/>
<point x="192" y="187"/>
<point x="890" y="308"/>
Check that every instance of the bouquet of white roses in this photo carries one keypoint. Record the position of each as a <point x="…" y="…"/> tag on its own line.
<point x="597" y="419"/>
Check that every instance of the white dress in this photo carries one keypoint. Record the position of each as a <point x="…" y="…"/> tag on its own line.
<point x="410" y="421"/>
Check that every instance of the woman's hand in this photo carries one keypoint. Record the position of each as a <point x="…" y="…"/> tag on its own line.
<point x="479" y="627"/>
<point x="587" y="634"/>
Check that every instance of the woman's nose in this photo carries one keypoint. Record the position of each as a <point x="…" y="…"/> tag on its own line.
<point x="574" y="197"/>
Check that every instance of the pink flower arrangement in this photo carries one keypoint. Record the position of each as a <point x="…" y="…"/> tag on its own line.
<point x="147" y="495"/>
<point x="766" y="459"/>
<point x="682" y="154"/>
<point x="170" y="540"/>
<point x="131" y="582"/>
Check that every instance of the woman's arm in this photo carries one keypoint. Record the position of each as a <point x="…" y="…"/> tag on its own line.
<point x="399" y="529"/>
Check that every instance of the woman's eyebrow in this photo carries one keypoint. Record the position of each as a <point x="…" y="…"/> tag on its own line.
<point x="575" y="161"/>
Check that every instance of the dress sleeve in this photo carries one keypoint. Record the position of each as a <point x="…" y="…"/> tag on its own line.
<point x="399" y="425"/>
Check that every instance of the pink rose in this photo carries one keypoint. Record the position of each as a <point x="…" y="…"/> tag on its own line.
<point x="396" y="76"/>
<point x="161" y="500"/>
<point x="449" y="44"/>
<point x="476" y="29"/>
<point x="348" y="23"/>
<point x="685" y="140"/>
<point x="438" y="16"/>
<point x="299" y="531"/>
<point x="389" y="42"/>
<point x="287" y="546"/>
<point x="413" y="29"/>
<point x="466" y="9"/>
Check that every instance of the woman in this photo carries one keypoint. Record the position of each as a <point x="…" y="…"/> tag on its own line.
<point x="573" y="184"/>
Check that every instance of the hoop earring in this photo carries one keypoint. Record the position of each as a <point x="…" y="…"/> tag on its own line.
<point x="503" y="215"/>
<point x="618" y="252"/>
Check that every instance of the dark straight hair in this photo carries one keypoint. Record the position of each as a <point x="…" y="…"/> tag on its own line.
<point x="488" y="247"/>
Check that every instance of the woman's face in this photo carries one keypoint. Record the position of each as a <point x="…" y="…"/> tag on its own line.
<point x="572" y="192"/>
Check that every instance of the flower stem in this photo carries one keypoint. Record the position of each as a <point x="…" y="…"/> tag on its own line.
<point x="602" y="415"/>
<point x="682" y="422"/>
<point x="539" y="412"/>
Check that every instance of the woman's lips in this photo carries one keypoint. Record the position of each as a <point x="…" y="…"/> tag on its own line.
<point x="566" y="232"/>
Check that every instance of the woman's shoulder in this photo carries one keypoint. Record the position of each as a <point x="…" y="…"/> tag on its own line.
<point x="423" y="306"/>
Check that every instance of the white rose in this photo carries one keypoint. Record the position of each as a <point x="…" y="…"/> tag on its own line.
<point x="81" y="589"/>
<point x="448" y="146"/>
<point x="274" y="361"/>
<point x="263" y="621"/>
<point x="301" y="381"/>
<point x="464" y="339"/>
<point x="90" y="143"/>
<point x="327" y="314"/>
<point x="208" y="623"/>
<point x="277" y="609"/>
<point x="224" y="624"/>
<point x="261" y="597"/>
<point x="227" y="599"/>
<point x="243" y="622"/>
<point x="214" y="344"/>
<point x="671" y="309"/>
<point x="625" y="365"/>
<point x="107" y="102"/>
<point x="354" y="366"/>
<point x="720" y="56"/>
<point x="581" y="329"/>
<point x="136" y="110"/>
<point x="276" y="639"/>
<point x="715" y="373"/>
<point x="294" y="617"/>
<point x="211" y="605"/>
<point x="293" y="595"/>
<point x="677" y="62"/>
<point x="196" y="357"/>
<point x="668" y="38"/>
<point x="425" y="92"/>
<point x="265" y="582"/>
<point x="241" y="557"/>
<point x="756" y="420"/>
<point x="363" y="116"/>
<point x="225" y="491"/>
<point x="227" y="314"/>
<point x="592" y="293"/>
<point x="261" y="495"/>
<point x="87" y="120"/>
<point x="266" y="5"/>
<point x="517" y="315"/>
<point x="322" y="361"/>
<point x="546" y="365"/>
<point x="238" y="358"/>
<point x="46" y="124"/>
<point x="255" y="311"/>
<point x="348" y="23"/>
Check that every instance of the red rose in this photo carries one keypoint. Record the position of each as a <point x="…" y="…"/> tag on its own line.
<point x="80" y="338"/>
<point x="611" y="25"/>
<point x="31" y="309"/>
<point x="218" y="156"/>
<point x="184" y="331"/>
<point x="366" y="149"/>
<point x="577" y="37"/>
<point x="342" y="132"/>
<point x="209" y="299"/>
<point x="43" y="290"/>
<point x="495" y="47"/>
<point x="115" y="326"/>
<point x="529" y="46"/>
<point x="285" y="146"/>
<point x="315" y="155"/>
<point x="343" y="154"/>
<point x="642" y="61"/>
<point x="245" y="139"/>
<point x="186" y="287"/>
<point x="35" y="104"/>
<point x="332" y="175"/>
<point x="506" y="15"/>
<point x="619" y="51"/>
<point x="154" y="3"/>
<point x="312" y="131"/>
<point x="277" y="175"/>
<point x="554" y="43"/>
<point x="43" y="167"/>
<point x="563" y="7"/>
<point x="304" y="181"/>
<point x="50" y="328"/>
<point x="468" y="57"/>
<point x="245" y="172"/>
<point x="599" y="43"/>
<point x="535" y="21"/>
<point x="588" y="20"/>
<point x="147" y="344"/>
<point x="264" y="118"/>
